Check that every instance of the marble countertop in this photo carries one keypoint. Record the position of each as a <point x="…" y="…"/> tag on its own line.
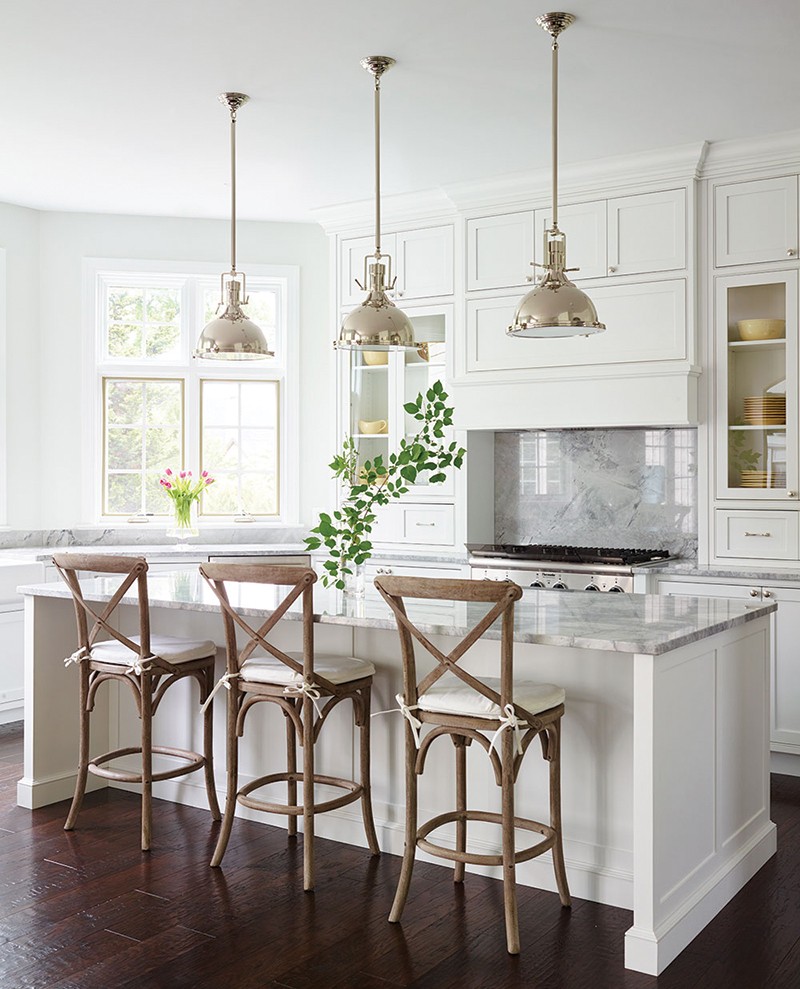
<point x="628" y="623"/>
<point x="693" y="569"/>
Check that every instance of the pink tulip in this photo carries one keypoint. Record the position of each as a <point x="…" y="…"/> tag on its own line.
<point x="210" y="480"/>
<point x="204" y="474"/>
<point x="167" y="485"/>
<point x="168" y="472"/>
<point x="182" y="474"/>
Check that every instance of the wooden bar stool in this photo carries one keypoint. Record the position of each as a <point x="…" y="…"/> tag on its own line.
<point x="299" y="684"/>
<point x="464" y="707"/>
<point x="149" y="665"/>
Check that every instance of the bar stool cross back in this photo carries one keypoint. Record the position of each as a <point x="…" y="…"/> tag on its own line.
<point x="459" y="705"/>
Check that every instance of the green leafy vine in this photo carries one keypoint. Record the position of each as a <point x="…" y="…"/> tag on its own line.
<point x="345" y="533"/>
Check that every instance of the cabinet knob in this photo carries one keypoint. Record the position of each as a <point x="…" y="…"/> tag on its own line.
<point x="754" y="592"/>
<point x="400" y="294"/>
<point x="384" y="570"/>
<point x="612" y="269"/>
<point x="768" y="594"/>
<point x="791" y="252"/>
<point x="529" y="278"/>
<point x="791" y="494"/>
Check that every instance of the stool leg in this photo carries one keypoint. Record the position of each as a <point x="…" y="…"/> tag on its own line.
<point x="509" y="866"/>
<point x="410" y="848"/>
<point x="232" y="771"/>
<point x="554" y="754"/>
<point x="208" y="744"/>
<point x="291" y="768"/>
<point x="366" y="775"/>
<point x="146" y="691"/>
<point x="460" y="744"/>
<point x="308" y="794"/>
<point x="83" y="751"/>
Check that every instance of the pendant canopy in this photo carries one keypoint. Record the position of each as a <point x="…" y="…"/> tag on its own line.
<point x="231" y="335"/>
<point x="555" y="307"/>
<point x="377" y="324"/>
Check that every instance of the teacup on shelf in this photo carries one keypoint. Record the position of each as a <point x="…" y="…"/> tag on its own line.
<point x="375" y="358"/>
<point x="370" y="426"/>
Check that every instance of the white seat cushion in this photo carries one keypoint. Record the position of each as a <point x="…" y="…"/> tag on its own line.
<point x="450" y="695"/>
<point x="166" y="646"/>
<point x="337" y="669"/>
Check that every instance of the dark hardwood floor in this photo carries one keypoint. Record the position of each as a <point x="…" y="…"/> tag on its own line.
<point x="87" y="910"/>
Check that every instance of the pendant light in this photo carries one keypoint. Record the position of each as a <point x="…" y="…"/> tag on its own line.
<point x="377" y="324"/>
<point x="231" y="336"/>
<point x="555" y="307"/>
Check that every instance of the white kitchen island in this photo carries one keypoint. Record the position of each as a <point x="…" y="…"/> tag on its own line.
<point x="665" y="738"/>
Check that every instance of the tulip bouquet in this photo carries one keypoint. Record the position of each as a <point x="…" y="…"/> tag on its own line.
<point x="184" y="490"/>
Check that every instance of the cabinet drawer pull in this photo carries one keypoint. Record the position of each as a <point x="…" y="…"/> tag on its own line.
<point x="767" y="594"/>
<point x="384" y="570"/>
<point x="790" y="253"/>
<point x="425" y="523"/>
<point x="754" y="592"/>
<point x="764" y="534"/>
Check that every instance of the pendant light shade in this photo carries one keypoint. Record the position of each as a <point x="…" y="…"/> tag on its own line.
<point x="231" y="335"/>
<point x="377" y="324"/>
<point x="555" y="307"/>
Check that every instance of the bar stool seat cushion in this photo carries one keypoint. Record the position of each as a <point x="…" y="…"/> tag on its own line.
<point x="167" y="647"/>
<point x="338" y="669"/>
<point x="450" y="695"/>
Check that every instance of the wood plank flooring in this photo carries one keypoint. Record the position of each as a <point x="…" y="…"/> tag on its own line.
<point x="88" y="910"/>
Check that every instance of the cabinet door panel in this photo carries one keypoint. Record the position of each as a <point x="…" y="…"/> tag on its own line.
<point x="647" y="233"/>
<point x="757" y="535"/>
<point x="755" y="221"/>
<point x="499" y="250"/>
<point x="585" y="227"/>
<point x="629" y="338"/>
<point x="786" y="667"/>
<point x="424" y="262"/>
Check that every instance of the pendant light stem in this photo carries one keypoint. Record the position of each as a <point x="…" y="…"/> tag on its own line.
<point x="377" y="165"/>
<point x="554" y="110"/>
<point x="233" y="191"/>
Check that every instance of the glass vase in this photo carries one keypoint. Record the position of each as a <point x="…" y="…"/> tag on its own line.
<point x="184" y="522"/>
<point x="355" y="582"/>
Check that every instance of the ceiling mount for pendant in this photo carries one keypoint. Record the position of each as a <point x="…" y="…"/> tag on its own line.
<point x="230" y="335"/>
<point x="377" y="324"/>
<point x="555" y="307"/>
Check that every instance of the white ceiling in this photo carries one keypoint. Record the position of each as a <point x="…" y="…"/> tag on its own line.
<point x="111" y="106"/>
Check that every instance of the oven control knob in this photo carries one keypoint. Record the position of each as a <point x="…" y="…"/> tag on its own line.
<point x="615" y="590"/>
<point x="537" y="584"/>
<point x="559" y="586"/>
<point x="591" y="587"/>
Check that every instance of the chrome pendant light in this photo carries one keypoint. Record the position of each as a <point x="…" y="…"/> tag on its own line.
<point x="231" y="336"/>
<point x="377" y="324"/>
<point x="555" y="307"/>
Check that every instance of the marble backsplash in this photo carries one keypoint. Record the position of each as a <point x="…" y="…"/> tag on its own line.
<point x="632" y="488"/>
<point x="146" y="535"/>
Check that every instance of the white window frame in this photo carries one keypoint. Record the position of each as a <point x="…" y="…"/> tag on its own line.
<point x="97" y="272"/>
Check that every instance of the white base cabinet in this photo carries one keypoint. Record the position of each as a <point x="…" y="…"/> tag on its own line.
<point x="784" y="661"/>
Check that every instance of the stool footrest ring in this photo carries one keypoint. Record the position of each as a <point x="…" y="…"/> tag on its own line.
<point x="194" y="761"/>
<point x="474" y="858"/>
<point x="354" y="792"/>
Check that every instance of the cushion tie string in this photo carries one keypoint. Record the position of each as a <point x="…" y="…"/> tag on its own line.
<point x="78" y="656"/>
<point x="224" y="681"/>
<point x="139" y="666"/>
<point x="408" y="713"/>
<point x="305" y="689"/>
<point x="510" y="720"/>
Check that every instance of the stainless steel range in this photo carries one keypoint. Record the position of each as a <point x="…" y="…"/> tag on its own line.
<point x="563" y="568"/>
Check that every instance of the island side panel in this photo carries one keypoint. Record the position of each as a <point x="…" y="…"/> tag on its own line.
<point x="701" y="778"/>
<point x="52" y="706"/>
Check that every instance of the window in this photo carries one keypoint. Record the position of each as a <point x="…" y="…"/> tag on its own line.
<point x="155" y="406"/>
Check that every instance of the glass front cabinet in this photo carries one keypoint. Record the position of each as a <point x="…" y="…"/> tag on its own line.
<point x="757" y="395"/>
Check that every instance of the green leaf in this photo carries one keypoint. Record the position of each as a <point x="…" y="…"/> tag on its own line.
<point x="409" y="473"/>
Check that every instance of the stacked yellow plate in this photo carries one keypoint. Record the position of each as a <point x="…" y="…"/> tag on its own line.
<point x="762" y="479"/>
<point x="765" y="410"/>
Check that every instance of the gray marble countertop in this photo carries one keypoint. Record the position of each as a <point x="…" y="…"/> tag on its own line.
<point x="628" y="623"/>
<point x="693" y="569"/>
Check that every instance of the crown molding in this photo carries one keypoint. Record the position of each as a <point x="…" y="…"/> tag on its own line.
<point x="430" y="204"/>
<point x="753" y="155"/>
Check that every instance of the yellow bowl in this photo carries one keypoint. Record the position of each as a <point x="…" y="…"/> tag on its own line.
<point x="373" y="426"/>
<point x="761" y="329"/>
<point x="374" y="358"/>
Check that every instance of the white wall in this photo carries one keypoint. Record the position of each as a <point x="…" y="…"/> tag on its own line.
<point x="66" y="238"/>
<point x="19" y="237"/>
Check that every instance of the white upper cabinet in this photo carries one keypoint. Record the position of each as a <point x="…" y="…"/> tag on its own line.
<point x="756" y="221"/>
<point x="647" y="233"/>
<point x="422" y="262"/>
<point x="585" y="227"/>
<point x="500" y="251"/>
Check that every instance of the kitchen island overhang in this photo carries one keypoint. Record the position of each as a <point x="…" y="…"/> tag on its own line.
<point x="665" y="750"/>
